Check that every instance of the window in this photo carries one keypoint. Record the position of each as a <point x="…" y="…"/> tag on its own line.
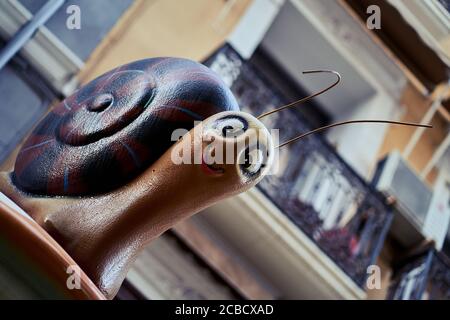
<point x="97" y="18"/>
<point x="44" y="69"/>
<point x="25" y="98"/>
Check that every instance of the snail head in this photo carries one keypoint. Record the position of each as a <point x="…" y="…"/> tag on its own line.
<point x="230" y="151"/>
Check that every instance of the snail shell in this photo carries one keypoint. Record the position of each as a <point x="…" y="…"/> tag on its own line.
<point x="116" y="126"/>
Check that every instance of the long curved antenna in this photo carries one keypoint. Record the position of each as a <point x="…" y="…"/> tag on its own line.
<point x="348" y="122"/>
<point x="289" y="105"/>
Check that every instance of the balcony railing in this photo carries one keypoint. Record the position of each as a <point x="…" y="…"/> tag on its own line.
<point x="314" y="187"/>
<point x="424" y="276"/>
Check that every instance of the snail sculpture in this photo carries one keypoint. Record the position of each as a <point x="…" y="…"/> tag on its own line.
<point x="97" y="173"/>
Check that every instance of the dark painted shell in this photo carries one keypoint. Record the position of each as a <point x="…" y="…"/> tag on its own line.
<point x="114" y="127"/>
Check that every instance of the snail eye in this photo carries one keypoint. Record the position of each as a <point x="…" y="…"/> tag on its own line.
<point x="252" y="161"/>
<point x="231" y="126"/>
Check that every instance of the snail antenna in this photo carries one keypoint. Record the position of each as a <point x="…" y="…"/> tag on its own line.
<point x="302" y="100"/>
<point x="349" y="122"/>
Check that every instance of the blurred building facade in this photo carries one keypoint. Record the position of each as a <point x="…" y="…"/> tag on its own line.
<point x="336" y="219"/>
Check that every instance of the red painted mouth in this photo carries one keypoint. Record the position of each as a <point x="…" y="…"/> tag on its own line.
<point x="210" y="169"/>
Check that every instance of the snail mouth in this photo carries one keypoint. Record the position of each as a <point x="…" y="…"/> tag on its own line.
<point x="211" y="169"/>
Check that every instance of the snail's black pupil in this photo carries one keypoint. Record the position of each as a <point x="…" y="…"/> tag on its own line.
<point x="226" y="129"/>
<point x="247" y="159"/>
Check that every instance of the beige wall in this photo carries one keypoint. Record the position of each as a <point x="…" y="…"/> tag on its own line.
<point x="151" y="28"/>
<point x="397" y="137"/>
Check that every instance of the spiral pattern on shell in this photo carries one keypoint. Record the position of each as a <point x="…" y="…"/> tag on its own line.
<point x="114" y="127"/>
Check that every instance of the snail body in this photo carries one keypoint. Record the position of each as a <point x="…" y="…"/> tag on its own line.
<point x="105" y="233"/>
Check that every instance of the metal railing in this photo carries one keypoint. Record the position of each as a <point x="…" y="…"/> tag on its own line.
<point x="27" y="31"/>
<point x="424" y="276"/>
<point x="314" y="187"/>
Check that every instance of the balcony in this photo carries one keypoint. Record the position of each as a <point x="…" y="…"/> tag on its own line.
<point x="315" y="189"/>
<point x="423" y="276"/>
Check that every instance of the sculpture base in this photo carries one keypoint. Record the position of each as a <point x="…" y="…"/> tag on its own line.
<point x="33" y="265"/>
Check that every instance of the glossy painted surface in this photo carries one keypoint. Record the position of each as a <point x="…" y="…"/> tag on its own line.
<point x="33" y="264"/>
<point x="111" y="143"/>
